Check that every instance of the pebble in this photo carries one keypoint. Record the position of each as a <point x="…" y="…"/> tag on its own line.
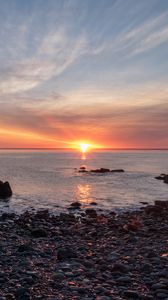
<point x="124" y="279"/>
<point x="131" y="294"/>
<point x="38" y="233"/>
<point x="120" y="267"/>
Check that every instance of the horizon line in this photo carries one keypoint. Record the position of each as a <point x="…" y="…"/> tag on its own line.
<point x="70" y="148"/>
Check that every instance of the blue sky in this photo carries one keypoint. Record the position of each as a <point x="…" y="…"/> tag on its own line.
<point x="89" y="70"/>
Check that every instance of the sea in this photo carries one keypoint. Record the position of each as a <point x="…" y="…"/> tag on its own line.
<point x="49" y="179"/>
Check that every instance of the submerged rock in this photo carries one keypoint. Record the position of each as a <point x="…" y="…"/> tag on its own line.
<point x="5" y="190"/>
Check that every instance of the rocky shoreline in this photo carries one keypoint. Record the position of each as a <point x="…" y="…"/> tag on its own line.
<point x="85" y="256"/>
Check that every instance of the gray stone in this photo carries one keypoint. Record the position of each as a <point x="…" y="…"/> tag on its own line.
<point x="157" y="286"/>
<point x="124" y="279"/>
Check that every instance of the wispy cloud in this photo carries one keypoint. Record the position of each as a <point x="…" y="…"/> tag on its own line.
<point x="49" y="61"/>
<point x="50" y="52"/>
<point x="143" y="37"/>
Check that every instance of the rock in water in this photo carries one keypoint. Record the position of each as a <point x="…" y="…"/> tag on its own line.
<point x="5" y="190"/>
<point x="101" y="170"/>
<point x="117" y="171"/>
<point x="163" y="177"/>
<point x="76" y="205"/>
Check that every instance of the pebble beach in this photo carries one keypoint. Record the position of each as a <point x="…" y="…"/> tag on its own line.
<point x="85" y="255"/>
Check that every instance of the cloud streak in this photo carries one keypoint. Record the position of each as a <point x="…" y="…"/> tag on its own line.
<point x="143" y="37"/>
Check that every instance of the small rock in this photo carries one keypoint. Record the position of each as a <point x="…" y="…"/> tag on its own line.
<point x="157" y="286"/>
<point x="91" y="213"/>
<point x="131" y="294"/>
<point x="120" y="268"/>
<point x="76" y="205"/>
<point x="65" y="253"/>
<point x="124" y="279"/>
<point x="38" y="233"/>
<point x="24" y="247"/>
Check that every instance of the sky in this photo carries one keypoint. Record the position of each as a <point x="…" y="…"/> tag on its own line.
<point x="74" y="71"/>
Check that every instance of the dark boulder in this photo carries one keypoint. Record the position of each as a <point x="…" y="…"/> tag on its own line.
<point x="5" y="190"/>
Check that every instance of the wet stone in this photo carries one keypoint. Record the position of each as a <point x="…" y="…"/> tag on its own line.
<point x="131" y="294"/>
<point x="120" y="268"/>
<point x="157" y="286"/>
<point x="39" y="233"/>
<point x="124" y="279"/>
<point x="65" y="253"/>
<point x="162" y="296"/>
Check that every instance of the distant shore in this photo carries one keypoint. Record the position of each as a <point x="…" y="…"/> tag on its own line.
<point x="89" y="256"/>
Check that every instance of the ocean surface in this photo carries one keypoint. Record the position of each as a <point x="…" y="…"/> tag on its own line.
<point x="50" y="179"/>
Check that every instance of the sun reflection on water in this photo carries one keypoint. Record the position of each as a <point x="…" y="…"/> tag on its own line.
<point x="83" y="157"/>
<point x="83" y="193"/>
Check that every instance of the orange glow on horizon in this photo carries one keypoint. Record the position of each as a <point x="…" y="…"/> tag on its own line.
<point x="84" y="146"/>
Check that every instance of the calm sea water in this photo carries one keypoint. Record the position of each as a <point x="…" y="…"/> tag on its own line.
<point x="48" y="179"/>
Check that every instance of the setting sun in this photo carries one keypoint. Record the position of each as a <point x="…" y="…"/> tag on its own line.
<point x="84" y="147"/>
